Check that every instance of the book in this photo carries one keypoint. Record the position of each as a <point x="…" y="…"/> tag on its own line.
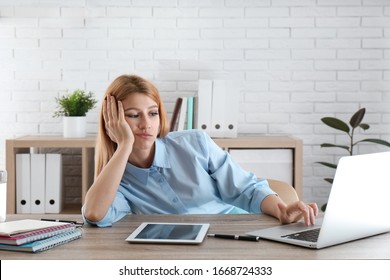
<point x="190" y="112"/>
<point x="45" y="244"/>
<point x="196" y="113"/>
<point x="183" y="115"/>
<point x="175" y="114"/>
<point x="26" y="225"/>
<point x="26" y="237"/>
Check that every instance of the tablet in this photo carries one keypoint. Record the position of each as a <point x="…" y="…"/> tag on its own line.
<point x="178" y="233"/>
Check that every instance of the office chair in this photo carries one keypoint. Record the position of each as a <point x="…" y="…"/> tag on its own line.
<point x="285" y="191"/>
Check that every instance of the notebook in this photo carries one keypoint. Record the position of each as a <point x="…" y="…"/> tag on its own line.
<point x="45" y="244"/>
<point x="357" y="205"/>
<point x="20" y="226"/>
<point x="26" y="237"/>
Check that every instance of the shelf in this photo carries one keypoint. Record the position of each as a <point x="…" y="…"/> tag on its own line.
<point x="87" y="145"/>
<point x="25" y="143"/>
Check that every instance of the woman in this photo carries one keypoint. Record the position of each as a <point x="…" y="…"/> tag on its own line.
<point x="143" y="169"/>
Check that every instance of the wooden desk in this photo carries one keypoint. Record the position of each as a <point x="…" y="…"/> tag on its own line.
<point x="109" y="243"/>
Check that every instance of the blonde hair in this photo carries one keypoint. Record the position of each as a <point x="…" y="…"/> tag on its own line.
<point x="120" y="88"/>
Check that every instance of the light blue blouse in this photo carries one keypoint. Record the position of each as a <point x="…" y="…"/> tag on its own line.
<point x="190" y="174"/>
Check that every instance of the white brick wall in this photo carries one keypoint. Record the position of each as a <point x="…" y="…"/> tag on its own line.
<point x="299" y="60"/>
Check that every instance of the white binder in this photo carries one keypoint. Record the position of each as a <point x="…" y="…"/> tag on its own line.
<point x="37" y="183"/>
<point x="23" y="201"/>
<point x="204" y="103"/>
<point x="232" y="109"/>
<point x="219" y="110"/>
<point x="218" y="107"/>
<point x="53" y="184"/>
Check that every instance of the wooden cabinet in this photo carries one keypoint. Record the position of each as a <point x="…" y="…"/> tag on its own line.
<point x="272" y="157"/>
<point x="279" y="157"/>
<point x="24" y="144"/>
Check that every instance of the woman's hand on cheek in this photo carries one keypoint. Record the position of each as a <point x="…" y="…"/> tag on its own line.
<point x="116" y="126"/>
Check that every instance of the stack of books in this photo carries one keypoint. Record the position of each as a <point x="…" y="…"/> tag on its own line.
<point x="183" y="115"/>
<point x="36" y="235"/>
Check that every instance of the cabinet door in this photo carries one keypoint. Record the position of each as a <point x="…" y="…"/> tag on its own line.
<point x="266" y="163"/>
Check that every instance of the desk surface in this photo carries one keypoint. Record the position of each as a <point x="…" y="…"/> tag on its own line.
<point x="109" y="243"/>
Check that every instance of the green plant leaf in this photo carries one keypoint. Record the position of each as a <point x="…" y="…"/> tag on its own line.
<point x="77" y="103"/>
<point x="376" y="141"/>
<point x="328" y="145"/>
<point x="331" y="165"/>
<point x="357" y="118"/>
<point x="336" y="124"/>
<point x="355" y="121"/>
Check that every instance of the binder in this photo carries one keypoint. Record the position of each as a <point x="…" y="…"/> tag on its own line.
<point x="37" y="178"/>
<point x="23" y="193"/>
<point x="219" y="109"/>
<point x="204" y="105"/>
<point x="53" y="184"/>
<point x="232" y="109"/>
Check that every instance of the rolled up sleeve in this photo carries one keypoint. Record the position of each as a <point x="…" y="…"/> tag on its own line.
<point x="237" y="186"/>
<point x="118" y="209"/>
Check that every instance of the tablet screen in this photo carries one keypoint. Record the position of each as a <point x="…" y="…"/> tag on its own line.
<point x="169" y="233"/>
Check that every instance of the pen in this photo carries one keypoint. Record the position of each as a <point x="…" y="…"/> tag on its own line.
<point x="62" y="221"/>
<point x="236" y="237"/>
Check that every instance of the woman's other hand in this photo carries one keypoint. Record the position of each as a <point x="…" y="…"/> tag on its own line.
<point x="296" y="211"/>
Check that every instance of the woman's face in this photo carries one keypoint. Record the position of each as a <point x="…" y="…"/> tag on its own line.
<point x="142" y="115"/>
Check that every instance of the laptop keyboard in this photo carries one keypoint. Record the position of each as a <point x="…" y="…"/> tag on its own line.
<point x="310" y="235"/>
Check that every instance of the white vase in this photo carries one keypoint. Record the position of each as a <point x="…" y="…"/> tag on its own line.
<point x="75" y="127"/>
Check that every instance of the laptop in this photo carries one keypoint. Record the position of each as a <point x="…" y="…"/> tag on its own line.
<point x="358" y="206"/>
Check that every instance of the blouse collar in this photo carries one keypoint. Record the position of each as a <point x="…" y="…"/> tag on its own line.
<point x="160" y="161"/>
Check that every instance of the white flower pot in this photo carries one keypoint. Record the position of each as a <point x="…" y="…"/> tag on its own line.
<point x="75" y="127"/>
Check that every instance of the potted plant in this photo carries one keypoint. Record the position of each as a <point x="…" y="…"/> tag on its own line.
<point x="350" y="129"/>
<point x="74" y="108"/>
